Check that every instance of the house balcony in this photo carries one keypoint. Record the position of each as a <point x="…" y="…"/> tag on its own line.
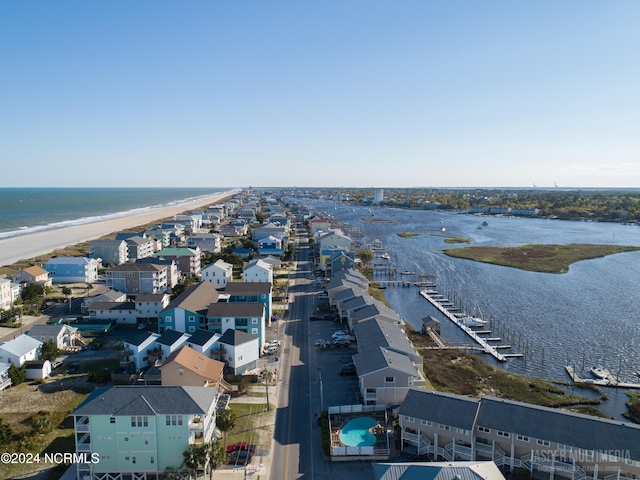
<point x="82" y="427"/>
<point x="5" y="383"/>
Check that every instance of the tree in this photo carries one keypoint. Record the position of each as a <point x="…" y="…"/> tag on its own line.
<point x="33" y="294"/>
<point x="66" y="291"/>
<point x="17" y="374"/>
<point x="194" y="457"/>
<point x="49" y="351"/>
<point x="215" y="456"/>
<point x="365" y="256"/>
<point x="182" y="286"/>
<point x="225" y="421"/>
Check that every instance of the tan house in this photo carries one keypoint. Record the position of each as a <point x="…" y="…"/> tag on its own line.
<point x="33" y="274"/>
<point x="187" y="367"/>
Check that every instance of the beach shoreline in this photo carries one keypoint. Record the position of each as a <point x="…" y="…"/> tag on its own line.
<point x="21" y="247"/>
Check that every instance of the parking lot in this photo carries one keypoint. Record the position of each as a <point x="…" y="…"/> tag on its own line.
<point x="327" y="362"/>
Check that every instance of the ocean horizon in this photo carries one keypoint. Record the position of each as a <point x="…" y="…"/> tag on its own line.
<point x="31" y="209"/>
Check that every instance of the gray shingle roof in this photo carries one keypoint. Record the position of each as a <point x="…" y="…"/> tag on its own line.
<point x="445" y="408"/>
<point x="236" y="337"/>
<point x="239" y="309"/>
<point x="148" y="400"/>
<point x="379" y="358"/>
<point x="560" y="426"/>
<point x="195" y="299"/>
<point x="200" y="337"/>
<point x="169" y="337"/>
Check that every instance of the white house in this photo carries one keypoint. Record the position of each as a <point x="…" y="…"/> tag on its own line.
<point x="206" y="242"/>
<point x="135" y="352"/>
<point x="62" y="335"/>
<point x="218" y="273"/>
<point x="6" y="299"/>
<point x="20" y="350"/>
<point x="124" y="312"/>
<point x="239" y="350"/>
<point x="149" y="305"/>
<point x="258" y="271"/>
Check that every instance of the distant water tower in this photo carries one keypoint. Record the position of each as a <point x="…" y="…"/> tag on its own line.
<point x="378" y="196"/>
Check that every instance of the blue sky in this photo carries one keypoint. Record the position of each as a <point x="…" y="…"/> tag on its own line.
<point x="329" y="93"/>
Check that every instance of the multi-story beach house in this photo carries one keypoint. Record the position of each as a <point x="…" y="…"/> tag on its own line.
<point x="219" y="273"/>
<point x="246" y="292"/>
<point x="206" y="242"/>
<point x="188" y="311"/>
<point x="546" y="442"/>
<point x="112" y="252"/>
<point x="34" y="274"/>
<point x="137" y="278"/>
<point x="141" y="432"/>
<point x="187" y="259"/>
<point x="258" y="271"/>
<point x="244" y="317"/>
<point x="72" y="269"/>
<point x="6" y="296"/>
<point x="62" y="335"/>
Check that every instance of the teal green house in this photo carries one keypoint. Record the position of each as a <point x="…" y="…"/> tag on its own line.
<point x="141" y="431"/>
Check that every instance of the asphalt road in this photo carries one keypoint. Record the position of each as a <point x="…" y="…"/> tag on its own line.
<point x="310" y="382"/>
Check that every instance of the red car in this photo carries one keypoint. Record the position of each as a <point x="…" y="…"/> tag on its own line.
<point x="241" y="447"/>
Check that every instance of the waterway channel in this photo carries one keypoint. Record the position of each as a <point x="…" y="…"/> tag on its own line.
<point x="588" y="316"/>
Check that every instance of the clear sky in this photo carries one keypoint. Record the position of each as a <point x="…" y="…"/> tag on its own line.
<point x="320" y="93"/>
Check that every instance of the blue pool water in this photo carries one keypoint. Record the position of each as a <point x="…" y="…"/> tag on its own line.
<point x="356" y="432"/>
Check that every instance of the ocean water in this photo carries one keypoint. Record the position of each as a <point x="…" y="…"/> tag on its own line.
<point x="28" y="210"/>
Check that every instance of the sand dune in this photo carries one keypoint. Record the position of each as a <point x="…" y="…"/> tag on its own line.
<point x="31" y="245"/>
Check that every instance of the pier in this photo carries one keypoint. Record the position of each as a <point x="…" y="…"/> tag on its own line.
<point x="486" y="347"/>
<point x="610" y="381"/>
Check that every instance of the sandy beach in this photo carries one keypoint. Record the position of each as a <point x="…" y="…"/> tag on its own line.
<point x="31" y="245"/>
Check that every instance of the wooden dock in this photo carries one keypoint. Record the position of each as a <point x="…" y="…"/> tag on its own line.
<point x="610" y="381"/>
<point x="490" y="349"/>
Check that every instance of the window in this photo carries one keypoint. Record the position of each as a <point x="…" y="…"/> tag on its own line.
<point x="254" y="320"/>
<point x="192" y="318"/>
<point x="445" y="427"/>
<point x="427" y="423"/>
<point x="462" y="431"/>
<point x="174" y="419"/>
<point x="544" y="443"/>
<point x="484" y="429"/>
<point x="152" y="460"/>
<point x="523" y="438"/>
<point x="192" y="329"/>
<point x="503" y="434"/>
<point x="409" y="419"/>
<point x="254" y="331"/>
<point x="388" y="379"/>
<point x="133" y="459"/>
<point x="112" y="420"/>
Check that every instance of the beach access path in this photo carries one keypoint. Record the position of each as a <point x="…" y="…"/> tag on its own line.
<point x="31" y="245"/>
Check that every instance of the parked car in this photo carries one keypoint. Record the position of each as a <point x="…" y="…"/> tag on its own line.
<point x="239" y="457"/>
<point x="341" y="341"/>
<point x="273" y="342"/>
<point x="96" y="346"/>
<point x="142" y="326"/>
<point x="321" y="342"/>
<point x="339" y="333"/>
<point x="348" y="369"/>
<point x="241" y="447"/>
<point x="55" y="365"/>
<point x="271" y="350"/>
<point x="73" y="367"/>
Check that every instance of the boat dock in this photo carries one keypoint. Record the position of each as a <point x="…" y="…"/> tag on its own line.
<point x="486" y="347"/>
<point x="609" y="381"/>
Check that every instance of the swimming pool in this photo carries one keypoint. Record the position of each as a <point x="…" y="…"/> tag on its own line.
<point x="356" y="432"/>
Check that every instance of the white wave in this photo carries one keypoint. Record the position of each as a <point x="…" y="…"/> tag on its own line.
<point x="100" y="218"/>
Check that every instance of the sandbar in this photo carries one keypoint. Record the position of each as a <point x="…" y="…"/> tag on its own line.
<point x="32" y="245"/>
